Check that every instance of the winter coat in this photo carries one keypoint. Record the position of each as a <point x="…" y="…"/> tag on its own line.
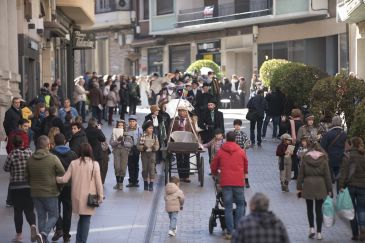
<point x="112" y="99"/>
<point x="309" y="131"/>
<point x="259" y="104"/>
<point x="95" y="96"/>
<point x="42" y="169"/>
<point x="65" y="155"/>
<point x="314" y="177"/>
<point x="205" y="122"/>
<point x="260" y="227"/>
<point x="79" y="93"/>
<point x="124" y="96"/>
<point x="51" y="121"/>
<point x="353" y="170"/>
<point x="82" y="184"/>
<point x="174" y="198"/>
<point x="336" y="150"/>
<point x="275" y="101"/>
<point x="231" y="160"/>
<point x="76" y="140"/>
<point x="11" y="119"/>
<point x="95" y="137"/>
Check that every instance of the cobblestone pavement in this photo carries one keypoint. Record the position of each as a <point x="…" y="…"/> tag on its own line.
<point x="128" y="216"/>
<point x="264" y="177"/>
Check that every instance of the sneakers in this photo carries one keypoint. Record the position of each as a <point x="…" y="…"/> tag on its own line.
<point x="228" y="236"/>
<point x="66" y="238"/>
<point x="120" y="186"/>
<point x="312" y="233"/>
<point x="57" y="234"/>
<point x="18" y="238"/>
<point x="33" y="233"/>
<point x="172" y="233"/>
<point x="319" y="236"/>
<point x="116" y="187"/>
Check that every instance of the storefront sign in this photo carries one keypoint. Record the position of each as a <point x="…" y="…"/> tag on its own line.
<point x="213" y="46"/>
<point x="83" y="40"/>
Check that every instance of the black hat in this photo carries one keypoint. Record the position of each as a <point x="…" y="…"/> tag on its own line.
<point x="195" y="82"/>
<point x="206" y="84"/>
<point x="212" y="100"/>
<point x="147" y="124"/>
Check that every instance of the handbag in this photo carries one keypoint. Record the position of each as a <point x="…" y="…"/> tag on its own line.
<point x="92" y="199"/>
<point x="251" y="115"/>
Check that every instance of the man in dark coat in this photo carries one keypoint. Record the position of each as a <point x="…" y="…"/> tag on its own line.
<point x="52" y="121"/>
<point x="12" y="116"/>
<point x="194" y="93"/>
<point x="202" y="99"/>
<point x="78" y="137"/>
<point x="65" y="155"/>
<point x="276" y="102"/>
<point x="258" y="105"/>
<point x="261" y="225"/>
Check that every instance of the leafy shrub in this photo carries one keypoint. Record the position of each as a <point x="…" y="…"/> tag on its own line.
<point x="296" y="81"/>
<point x="358" y="124"/>
<point x="267" y="70"/>
<point x="197" y="65"/>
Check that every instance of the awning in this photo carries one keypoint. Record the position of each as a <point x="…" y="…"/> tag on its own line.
<point x="150" y="41"/>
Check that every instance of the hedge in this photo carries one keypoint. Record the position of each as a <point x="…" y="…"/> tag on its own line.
<point x="197" y="65"/>
<point x="267" y="70"/>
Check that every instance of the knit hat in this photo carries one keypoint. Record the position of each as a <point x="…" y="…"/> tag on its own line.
<point x="336" y="121"/>
<point x="147" y="124"/>
<point x="286" y="136"/>
<point x="154" y="108"/>
<point x="132" y="117"/>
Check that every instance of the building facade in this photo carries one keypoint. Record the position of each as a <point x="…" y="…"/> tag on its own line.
<point x="239" y="35"/>
<point x="353" y="13"/>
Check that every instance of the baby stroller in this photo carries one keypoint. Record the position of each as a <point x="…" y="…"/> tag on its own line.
<point x="218" y="210"/>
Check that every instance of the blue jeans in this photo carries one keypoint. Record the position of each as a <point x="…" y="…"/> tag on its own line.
<point x="358" y="200"/>
<point x="83" y="227"/>
<point x="233" y="194"/>
<point x="80" y="107"/>
<point x="173" y="220"/>
<point x="275" y="125"/>
<point x="46" y="208"/>
<point x="252" y="130"/>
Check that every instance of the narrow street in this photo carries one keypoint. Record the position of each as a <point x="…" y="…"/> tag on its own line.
<point x="133" y="215"/>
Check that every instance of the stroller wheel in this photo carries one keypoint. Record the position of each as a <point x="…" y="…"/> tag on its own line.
<point x="212" y="223"/>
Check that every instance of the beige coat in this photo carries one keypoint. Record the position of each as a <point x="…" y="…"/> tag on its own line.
<point x="80" y="172"/>
<point x="174" y="198"/>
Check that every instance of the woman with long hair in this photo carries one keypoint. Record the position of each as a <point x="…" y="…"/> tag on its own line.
<point x="38" y="116"/>
<point x="314" y="184"/>
<point x="51" y="134"/>
<point x="86" y="179"/>
<point x="353" y="177"/>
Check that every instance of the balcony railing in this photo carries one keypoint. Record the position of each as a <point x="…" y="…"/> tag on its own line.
<point x="224" y="12"/>
<point x="106" y="6"/>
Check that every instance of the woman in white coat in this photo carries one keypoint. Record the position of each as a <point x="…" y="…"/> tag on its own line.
<point x="85" y="175"/>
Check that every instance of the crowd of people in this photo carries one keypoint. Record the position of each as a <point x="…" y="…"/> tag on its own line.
<point x="68" y="150"/>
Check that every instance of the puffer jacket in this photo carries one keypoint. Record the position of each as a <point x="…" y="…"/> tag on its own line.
<point x="231" y="160"/>
<point x="353" y="170"/>
<point x="174" y="198"/>
<point x="314" y="177"/>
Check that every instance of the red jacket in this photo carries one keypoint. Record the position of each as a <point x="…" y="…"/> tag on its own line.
<point x="231" y="160"/>
<point x="17" y="132"/>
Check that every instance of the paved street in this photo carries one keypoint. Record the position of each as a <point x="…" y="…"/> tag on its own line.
<point x="126" y="216"/>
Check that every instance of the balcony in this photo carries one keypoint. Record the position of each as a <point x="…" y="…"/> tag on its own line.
<point x="351" y="11"/>
<point x="80" y="11"/>
<point x="107" y="6"/>
<point x="224" y="12"/>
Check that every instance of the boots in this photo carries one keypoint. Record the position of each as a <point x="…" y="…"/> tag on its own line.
<point x="282" y="186"/>
<point x="286" y="186"/>
<point x="150" y="186"/>
<point x="120" y="186"/>
<point x="146" y="185"/>
<point x="116" y="187"/>
<point x="362" y="233"/>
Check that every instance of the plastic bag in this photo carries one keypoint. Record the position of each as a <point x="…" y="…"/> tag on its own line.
<point x="328" y="210"/>
<point x="344" y="206"/>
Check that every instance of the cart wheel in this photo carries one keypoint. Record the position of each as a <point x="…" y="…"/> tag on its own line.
<point x="211" y="223"/>
<point x="166" y="170"/>
<point x="201" y="171"/>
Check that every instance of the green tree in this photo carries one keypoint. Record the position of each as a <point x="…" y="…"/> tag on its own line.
<point x="197" y="65"/>
<point x="267" y="70"/>
<point x="358" y="124"/>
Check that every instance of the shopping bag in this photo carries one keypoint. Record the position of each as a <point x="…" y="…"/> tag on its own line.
<point x="344" y="206"/>
<point x="3" y="147"/>
<point x="328" y="209"/>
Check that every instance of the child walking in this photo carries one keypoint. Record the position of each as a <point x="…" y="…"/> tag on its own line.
<point x="148" y="146"/>
<point x="284" y="151"/>
<point x="174" y="201"/>
<point x="216" y="143"/>
<point x="243" y="141"/>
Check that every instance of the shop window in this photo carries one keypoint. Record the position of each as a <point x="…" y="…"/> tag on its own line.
<point x="155" y="62"/>
<point x="179" y="57"/>
<point x="280" y="50"/>
<point x="296" y="51"/>
<point x="164" y="7"/>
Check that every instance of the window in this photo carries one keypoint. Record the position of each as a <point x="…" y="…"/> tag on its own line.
<point x="280" y="50"/>
<point x="102" y="6"/>
<point x="146" y="9"/>
<point x="164" y="7"/>
<point x="155" y="60"/>
<point x="179" y="57"/>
